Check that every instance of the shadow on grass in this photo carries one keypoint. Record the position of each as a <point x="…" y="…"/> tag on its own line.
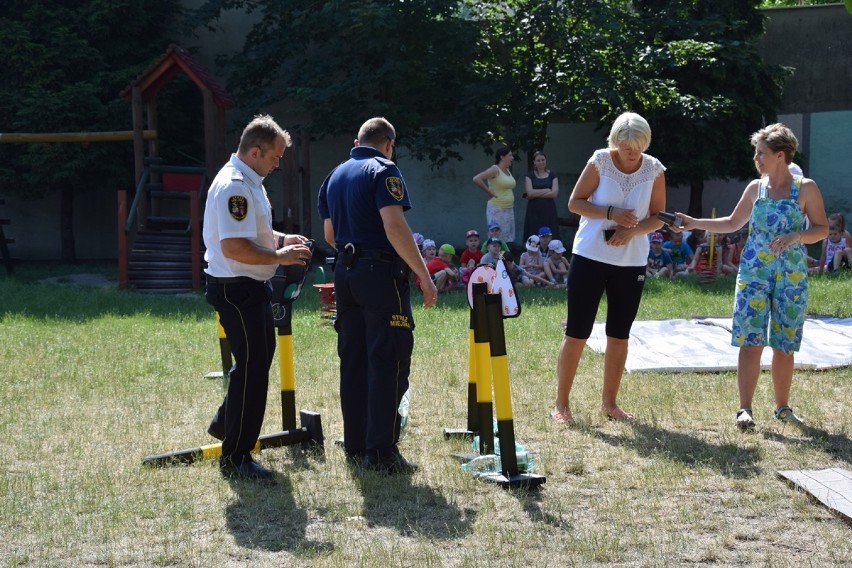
<point x="411" y="510"/>
<point x="839" y="446"/>
<point x="731" y="460"/>
<point x="265" y="517"/>
<point x="76" y="303"/>
<point x="531" y="500"/>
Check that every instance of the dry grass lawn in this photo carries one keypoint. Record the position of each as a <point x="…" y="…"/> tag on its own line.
<point x="96" y="379"/>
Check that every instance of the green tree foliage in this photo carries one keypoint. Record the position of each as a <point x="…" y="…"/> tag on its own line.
<point x="785" y="3"/>
<point x="444" y="71"/>
<point x="64" y="64"/>
<point x="338" y="63"/>
<point x="712" y="90"/>
<point x="488" y="71"/>
<point x="538" y="60"/>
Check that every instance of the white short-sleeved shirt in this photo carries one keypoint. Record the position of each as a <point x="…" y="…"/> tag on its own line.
<point x="624" y="191"/>
<point x="237" y="207"/>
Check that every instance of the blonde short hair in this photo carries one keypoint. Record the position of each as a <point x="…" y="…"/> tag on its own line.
<point x="778" y="138"/>
<point x="631" y="128"/>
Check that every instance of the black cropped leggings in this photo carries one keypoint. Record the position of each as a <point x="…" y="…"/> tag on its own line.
<point x="587" y="282"/>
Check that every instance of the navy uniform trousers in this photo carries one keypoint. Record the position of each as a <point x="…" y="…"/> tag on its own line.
<point x="245" y="313"/>
<point x="374" y="343"/>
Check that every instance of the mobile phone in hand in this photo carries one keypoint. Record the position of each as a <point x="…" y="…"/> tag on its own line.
<point x="608" y="233"/>
<point x="670" y="219"/>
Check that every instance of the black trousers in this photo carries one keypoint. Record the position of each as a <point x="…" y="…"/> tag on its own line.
<point x="245" y="313"/>
<point x="375" y="340"/>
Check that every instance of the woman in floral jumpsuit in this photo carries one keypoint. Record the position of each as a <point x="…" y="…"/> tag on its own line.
<point x="772" y="283"/>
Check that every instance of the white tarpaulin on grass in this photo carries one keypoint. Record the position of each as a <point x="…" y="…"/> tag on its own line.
<point x="704" y="344"/>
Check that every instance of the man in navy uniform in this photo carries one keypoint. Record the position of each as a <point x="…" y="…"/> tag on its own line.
<point x="362" y="204"/>
<point x="243" y="253"/>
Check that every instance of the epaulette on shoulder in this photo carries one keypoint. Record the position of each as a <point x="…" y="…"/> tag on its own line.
<point x="384" y="161"/>
<point x="236" y="175"/>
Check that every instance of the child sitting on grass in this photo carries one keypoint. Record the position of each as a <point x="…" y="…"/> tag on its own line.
<point x="701" y="265"/>
<point x="495" y="250"/>
<point x="556" y="265"/>
<point x="470" y="256"/>
<point x="531" y="260"/>
<point x="495" y="232"/>
<point x="680" y="252"/>
<point x="439" y="264"/>
<point x="835" y="250"/>
<point x="519" y="276"/>
<point x="545" y="235"/>
<point x="659" y="261"/>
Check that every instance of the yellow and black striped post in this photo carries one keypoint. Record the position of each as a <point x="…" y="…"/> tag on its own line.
<point x="499" y="364"/>
<point x="472" y="406"/>
<point x="224" y="352"/>
<point x="481" y="340"/>
<point x="309" y="434"/>
<point x="288" y="374"/>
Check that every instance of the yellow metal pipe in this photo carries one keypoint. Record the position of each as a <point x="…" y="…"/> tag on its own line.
<point x="51" y="137"/>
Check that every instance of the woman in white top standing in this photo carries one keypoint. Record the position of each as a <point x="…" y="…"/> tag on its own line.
<point x="497" y="182"/>
<point x="617" y="196"/>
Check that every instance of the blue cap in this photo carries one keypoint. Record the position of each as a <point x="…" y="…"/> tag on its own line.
<point x="544" y="231"/>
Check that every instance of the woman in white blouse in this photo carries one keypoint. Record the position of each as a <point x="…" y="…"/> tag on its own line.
<point x="617" y="197"/>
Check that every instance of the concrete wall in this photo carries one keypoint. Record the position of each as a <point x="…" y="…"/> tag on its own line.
<point x="817" y="106"/>
<point x="816" y="41"/>
<point x="445" y="202"/>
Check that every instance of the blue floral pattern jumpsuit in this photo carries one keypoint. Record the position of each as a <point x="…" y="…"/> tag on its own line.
<point x="772" y="289"/>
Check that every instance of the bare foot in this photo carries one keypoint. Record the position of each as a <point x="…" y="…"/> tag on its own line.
<point x="562" y="416"/>
<point x="616" y="413"/>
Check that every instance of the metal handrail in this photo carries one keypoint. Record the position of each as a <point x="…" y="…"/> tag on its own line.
<point x="142" y="186"/>
<point x="140" y="189"/>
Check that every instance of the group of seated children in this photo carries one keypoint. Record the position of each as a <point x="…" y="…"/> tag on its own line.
<point x="672" y="255"/>
<point x="543" y="262"/>
<point x="548" y="268"/>
<point x="836" y="252"/>
<point x="439" y="263"/>
<point x="676" y="257"/>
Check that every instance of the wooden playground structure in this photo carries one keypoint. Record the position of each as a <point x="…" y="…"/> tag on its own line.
<point x="167" y="252"/>
<point x="159" y="244"/>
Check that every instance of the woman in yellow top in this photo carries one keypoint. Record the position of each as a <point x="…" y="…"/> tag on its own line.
<point x="497" y="182"/>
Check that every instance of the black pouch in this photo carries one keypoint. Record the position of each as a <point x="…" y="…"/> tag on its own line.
<point x="348" y="256"/>
<point x="400" y="269"/>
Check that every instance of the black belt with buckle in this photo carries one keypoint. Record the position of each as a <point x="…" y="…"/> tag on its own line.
<point x="230" y="279"/>
<point x="351" y="254"/>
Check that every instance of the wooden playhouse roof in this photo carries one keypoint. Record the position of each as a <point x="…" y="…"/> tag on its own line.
<point x="166" y="67"/>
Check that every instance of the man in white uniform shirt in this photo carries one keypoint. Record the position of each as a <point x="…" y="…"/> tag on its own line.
<point x="243" y="253"/>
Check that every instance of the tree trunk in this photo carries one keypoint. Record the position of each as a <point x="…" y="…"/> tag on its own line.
<point x="66" y="224"/>
<point x="696" y="194"/>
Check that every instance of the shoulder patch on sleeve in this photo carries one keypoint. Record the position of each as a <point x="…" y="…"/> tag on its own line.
<point x="238" y="207"/>
<point x="394" y="187"/>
